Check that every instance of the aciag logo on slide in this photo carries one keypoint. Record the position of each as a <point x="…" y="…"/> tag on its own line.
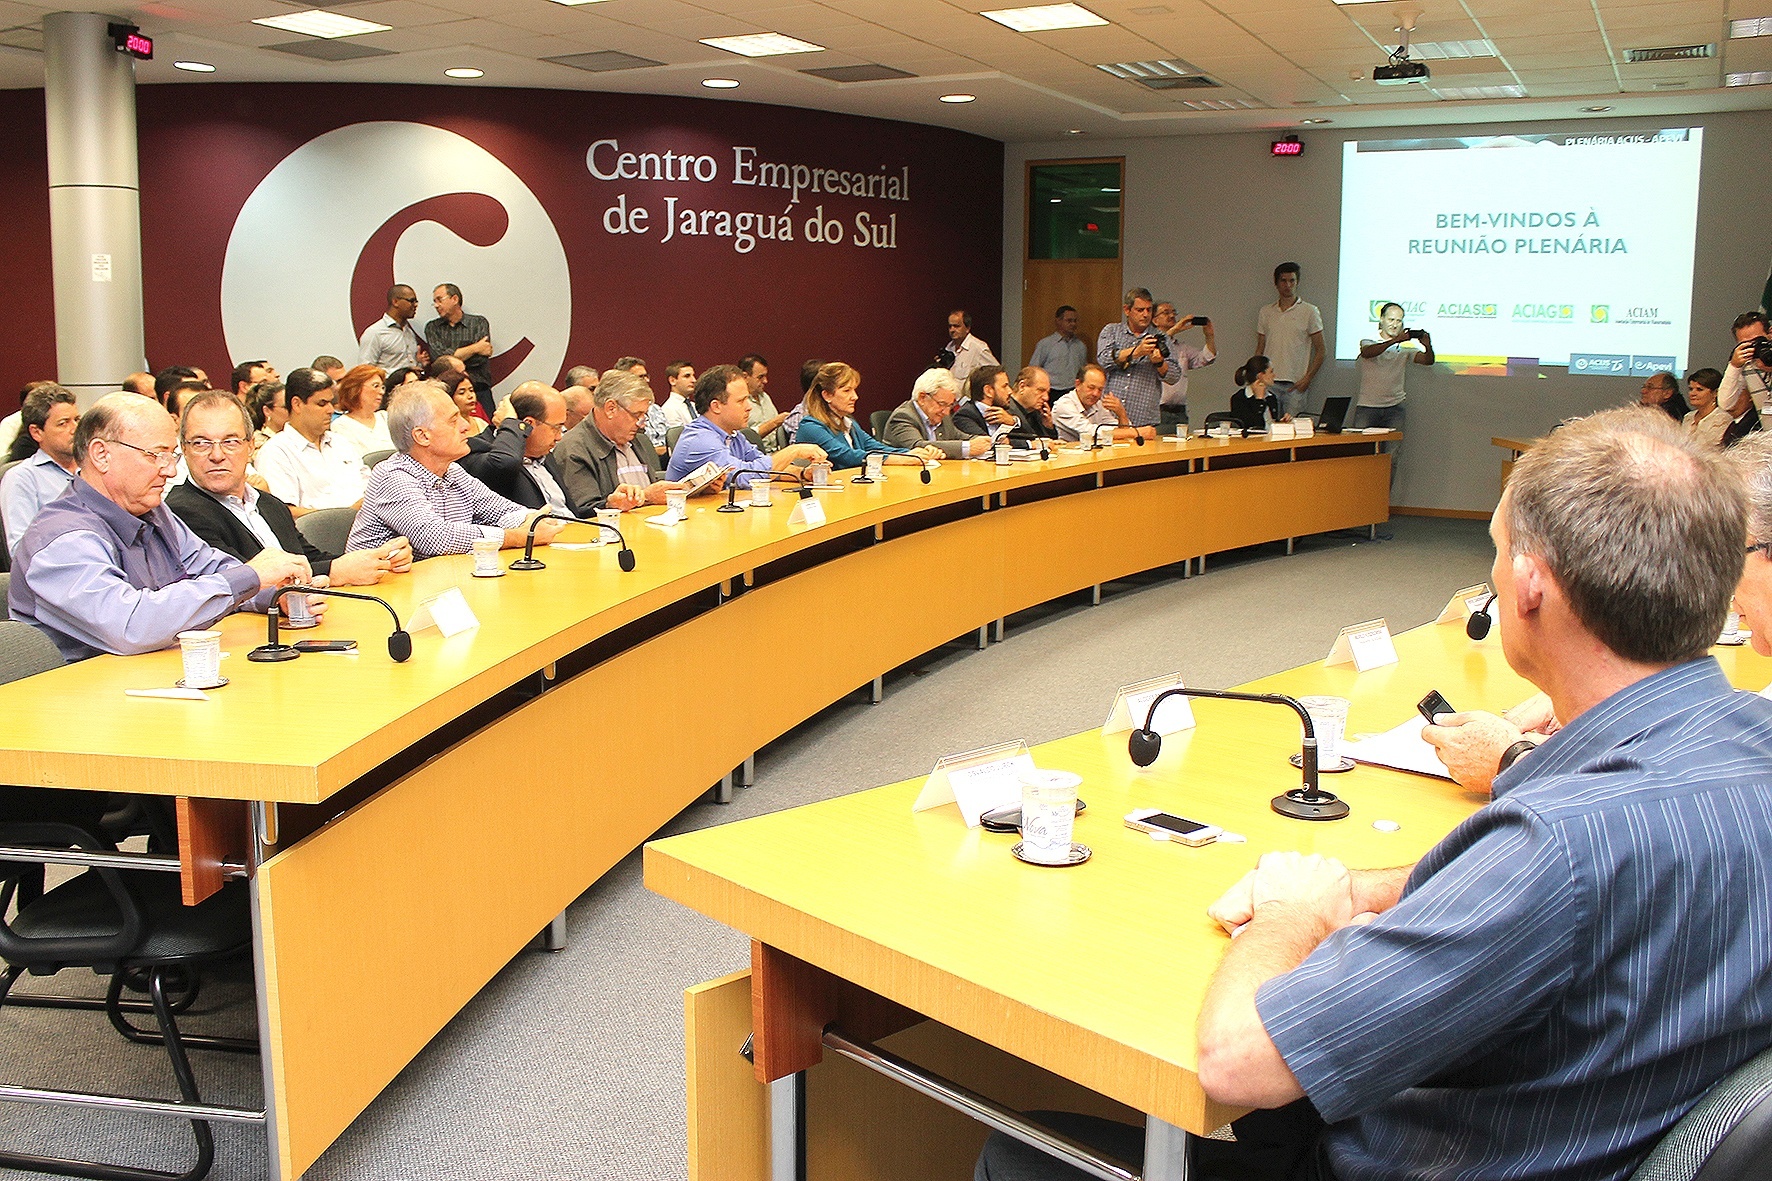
<point x="1601" y="313"/>
<point x="335" y="207"/>
<point x="1544" y="313"/>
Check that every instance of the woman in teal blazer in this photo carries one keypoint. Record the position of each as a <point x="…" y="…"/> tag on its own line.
<point x="827" y="422"/>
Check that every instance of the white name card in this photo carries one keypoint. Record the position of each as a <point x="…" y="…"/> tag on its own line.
<point x="1464" y="603"/>
<point x="1132" y="704"/>
<point x="1303" y="427"/>
<point x="1280" y="430"/>
<point x="978" y="780"/>
<point x="448" y="612"/>
<point x="807" y="511"/>
<point x="1364" y="645"/>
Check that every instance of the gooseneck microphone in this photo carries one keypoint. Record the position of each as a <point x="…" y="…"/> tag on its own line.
<point x="1308" y="802"/>
<point x="273" y="649"/>
<point x="624" y="557"/>
<point x="1477" y="626"/>
<point x="1095" y="435"/>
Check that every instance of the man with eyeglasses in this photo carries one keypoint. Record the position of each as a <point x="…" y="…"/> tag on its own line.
<point x="107" y="567"/>
<point x="302" y="463"/>
<point x="392" y="342"/>
<point x="723" y="397"/>
<point x="603" y="466"/>
<point x="926" y="419"/>
<point x="236" y="518"/>
<point x="519" y="465"/>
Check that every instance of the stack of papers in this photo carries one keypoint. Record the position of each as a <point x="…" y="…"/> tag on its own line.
<point x="1402" y="748"/>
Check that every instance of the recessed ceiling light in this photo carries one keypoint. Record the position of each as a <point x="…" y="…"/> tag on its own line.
<point x="1758" y="26"/>
<point x="1043" y="18"/>
<point x="762" y="44"/>
<point x="1461" y="93"/>
<point x="1314" y="121"/>
<point x="464" y="72"/>
<point x="1058" y="200"/>
<point x="1075" y="131"/>
<point x="720" y="83"/>
<point x="318" y="23"/>
<point x="1595" y="110"/>
<point x="958" y="98"/>
<point x="1751" y="78"/>
<point x="194" y="67"/>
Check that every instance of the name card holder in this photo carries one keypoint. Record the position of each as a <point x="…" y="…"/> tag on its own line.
<point x="1133" y="702"/>
<point x="1363" y="645"/>
<point x="1464" y="604"/>
<point x="448" y="612"/>
<point x="977" y="780"/>
<point x="807" y="511"/>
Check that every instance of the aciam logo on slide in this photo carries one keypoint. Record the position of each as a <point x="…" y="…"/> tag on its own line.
<point x="1544" y="313"/>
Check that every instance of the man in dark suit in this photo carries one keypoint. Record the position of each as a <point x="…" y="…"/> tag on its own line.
<point x="519" y="465"/>
<point x="985" y="405"/>
<point x="236" y="518"/>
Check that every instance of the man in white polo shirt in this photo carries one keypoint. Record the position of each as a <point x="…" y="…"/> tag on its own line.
<point x="1289" y="332"/>
<point x="302" y="464"/>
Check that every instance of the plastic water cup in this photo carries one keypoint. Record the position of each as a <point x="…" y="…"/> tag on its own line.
<point x="760" y="489"/>
<point x="1329" y="719"/>
<point x="1002" y="453"/>
<point x="297" y="614"/>
<point x="609" y="516"/>
<point x="1048" y="812"/>
<point x="1181" y="430"/>
<point x="821" y="476"/>
<point x="202" y="656"/>
<point x="874" y="466"/>
<point x="677" y="501"/>
<point x="486" y="558"/>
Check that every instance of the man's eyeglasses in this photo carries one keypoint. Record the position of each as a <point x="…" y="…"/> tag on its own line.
<point x="1763" y="546"/>
<point x="160" y="459"/>
<point x="211" y="446"/>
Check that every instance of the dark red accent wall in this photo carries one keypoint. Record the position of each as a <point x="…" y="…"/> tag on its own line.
<point x="204" y="148"/>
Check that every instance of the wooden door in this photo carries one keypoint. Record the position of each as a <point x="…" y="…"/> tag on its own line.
<point x="1075" y="260"/>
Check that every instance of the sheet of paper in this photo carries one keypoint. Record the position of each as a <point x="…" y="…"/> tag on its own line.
<point x="174" y="693"/>
<point x="1402" y="748"/>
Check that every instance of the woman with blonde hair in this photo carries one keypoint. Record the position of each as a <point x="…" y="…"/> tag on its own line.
<point x="361" y="423"/>
<point x="828" y="422"/>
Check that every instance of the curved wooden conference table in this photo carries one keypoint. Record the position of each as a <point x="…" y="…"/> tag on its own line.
<point x="408" y="828"/>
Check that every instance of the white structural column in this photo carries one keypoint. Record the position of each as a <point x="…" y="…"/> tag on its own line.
<point x="94" y="204"/>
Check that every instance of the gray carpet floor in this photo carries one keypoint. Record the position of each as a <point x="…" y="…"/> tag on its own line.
<point x="570" y="1064"/>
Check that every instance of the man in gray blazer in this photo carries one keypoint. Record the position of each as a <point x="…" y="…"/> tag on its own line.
<point x="600" y="464"/>
<point x="925" y="420"/>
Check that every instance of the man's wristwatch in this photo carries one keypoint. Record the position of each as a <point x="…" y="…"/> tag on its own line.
<point x="1512" y="754"/>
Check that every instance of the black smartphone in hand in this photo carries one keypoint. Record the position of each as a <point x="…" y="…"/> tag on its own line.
<point x="1433" y="705"/>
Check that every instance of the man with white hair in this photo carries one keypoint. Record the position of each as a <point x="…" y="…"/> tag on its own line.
<point x="602" y="464"/>
<point x="421" y="492"/>
<point x="107" y="567"/>
<point x="926" y="419"/>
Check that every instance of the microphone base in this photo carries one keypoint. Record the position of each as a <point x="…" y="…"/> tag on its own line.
<point x="266" y="653"/>
<point x="1325" y="806"/>
<point x="529" y="564"/>
<point x="861" y="480"/>
<point x="730" y="508"/>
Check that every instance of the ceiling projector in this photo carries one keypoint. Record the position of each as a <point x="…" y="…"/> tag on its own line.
<point x="1400" y="72"/>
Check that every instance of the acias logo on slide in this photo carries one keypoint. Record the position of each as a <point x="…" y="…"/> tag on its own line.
<point x="1601" y="312"/>
<point x="306" y="231"/>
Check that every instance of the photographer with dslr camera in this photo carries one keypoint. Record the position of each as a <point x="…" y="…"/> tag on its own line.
<point x="1381" y="363"/>
<point x="1750" y="365"/>
<point x="1135" y="357"/>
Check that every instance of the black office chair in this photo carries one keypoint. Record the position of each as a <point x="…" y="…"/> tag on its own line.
<point x="1727" y="1137"/>
<point x="877" y="422"/>
<point x="123" y="916"/>
<point x="375" y="457"/>
<point x="1221" y="416"/>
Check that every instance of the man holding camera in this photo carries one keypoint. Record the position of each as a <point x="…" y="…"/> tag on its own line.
<point x="1136" y="359"/>
<point x="1381" y="363"/>
<point x="1750" y="365"/>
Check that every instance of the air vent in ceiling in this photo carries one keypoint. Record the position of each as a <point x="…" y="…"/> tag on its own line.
<point x="867" y="73"/>
<point x="330" y="50"/>
<point x="1219" y="104"/>
<point x="603" y="61"/>
<point x="1170" y="74"/>
<point x="1458" y="93"/>
<point x="1750" y="78"/>
<point x="1669" y="53"/>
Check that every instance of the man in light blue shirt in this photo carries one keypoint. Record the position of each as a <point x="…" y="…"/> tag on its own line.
<point x="1062" y="355"/>
<point x="45" y="447"/>
<point x="108" y="568"/>
<point x="723" y="398"/>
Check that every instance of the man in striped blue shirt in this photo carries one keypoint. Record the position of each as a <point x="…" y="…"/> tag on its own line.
<point x="1558" y="981"/>
<point x="421" y="493"/>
